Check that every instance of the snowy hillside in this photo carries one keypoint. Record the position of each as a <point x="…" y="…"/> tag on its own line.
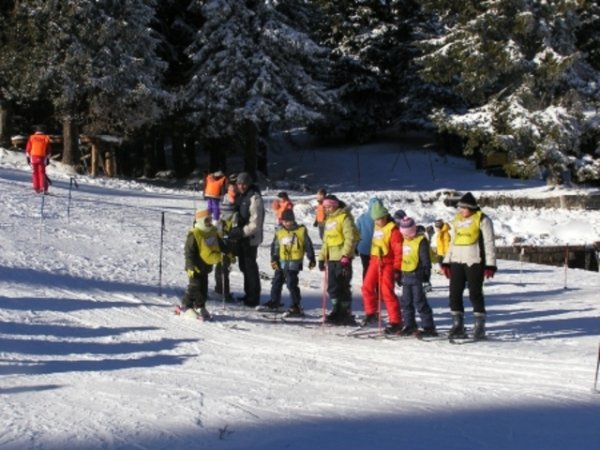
<point x="91" y="357"/>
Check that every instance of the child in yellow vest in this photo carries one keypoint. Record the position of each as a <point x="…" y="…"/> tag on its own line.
<point x="290" y="243"/>
<point x="416" y="268"/>
<point x="202" y="251"/>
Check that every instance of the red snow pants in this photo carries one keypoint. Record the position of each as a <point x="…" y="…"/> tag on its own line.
<point x="372" y="285"/>
<point x="38" y="178"/>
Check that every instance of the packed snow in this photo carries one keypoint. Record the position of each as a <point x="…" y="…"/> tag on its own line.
<point x="92" y="355"/>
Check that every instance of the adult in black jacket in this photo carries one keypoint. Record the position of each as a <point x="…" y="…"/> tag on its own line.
<point x="249" y="234"/>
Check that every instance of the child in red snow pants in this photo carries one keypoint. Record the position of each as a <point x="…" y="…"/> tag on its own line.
<point x="372" y="284"/>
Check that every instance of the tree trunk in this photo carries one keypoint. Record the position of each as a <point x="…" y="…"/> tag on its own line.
<point x="249" y="140"/>
<point x="216" y="154"/>
<point x="70" y="155"/>
<point x="4" y="133"/>
<point x="149" y="157"/>
<point x="178" y="157"/>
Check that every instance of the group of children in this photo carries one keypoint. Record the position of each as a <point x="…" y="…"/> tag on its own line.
<point x="393" y="251"/>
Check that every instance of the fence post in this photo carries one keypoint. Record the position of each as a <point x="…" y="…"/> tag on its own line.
<point x="160" y="257"/>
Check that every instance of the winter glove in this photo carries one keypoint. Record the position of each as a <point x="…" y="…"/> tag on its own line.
<point x="275" y="265"/>
<point x="47" y="161"/>
<point x="311" y="264"/>
<point x="322" y="266"/>
<point x="398" y="277"/>
<point x="28" y="161"/>
<point x="315" y="224"/>
<point x="346" y="264"/>
<point x="236" y="233"/>
<point x="191" y="273"/>
<point x="489" y="272"/>
<point x="446" y="270"/>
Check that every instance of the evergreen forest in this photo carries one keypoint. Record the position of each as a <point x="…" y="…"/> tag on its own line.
<point x="517" y="81"/>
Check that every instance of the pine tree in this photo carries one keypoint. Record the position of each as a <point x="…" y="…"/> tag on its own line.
<point x="524" y="87"/>
<point x="250" y="64"/>
<point x="373" y="49"/>
<point x="94" y="61"/>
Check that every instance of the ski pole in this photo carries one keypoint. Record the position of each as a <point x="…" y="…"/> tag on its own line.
<point x="324" y="301"/>
<point x="72" y="183"/>
<point x="597" y="366"/>
<point x="379" y="279"/>
<point x="162" y="229"/>
<point x="42" y="216"/>
<point x="566" y="264"/>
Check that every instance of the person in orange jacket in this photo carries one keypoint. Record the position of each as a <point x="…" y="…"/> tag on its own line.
<point x="214" y="188"/>
<point x="281" y="204"/>
<point x="320" y="212"/>
<point x="38" y="152"/>
<point x="383" y="270"/>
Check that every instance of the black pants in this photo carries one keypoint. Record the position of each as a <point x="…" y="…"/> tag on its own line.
<point x="290" y="278"/>
<point x="338" y="286"/>
<point x="197" y="291"/>
<point x="461" y="274"/>
<point x="249" y="267"/>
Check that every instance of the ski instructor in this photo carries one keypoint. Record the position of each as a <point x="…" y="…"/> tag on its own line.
<point x="249" y="235"/>
<point x="471" y="257"/>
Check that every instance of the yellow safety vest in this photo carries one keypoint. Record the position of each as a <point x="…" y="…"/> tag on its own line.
<point x="291" y="243"/>
<point x="380" y="244"/>
<point x="208" y="245"/>
<point x="410" y="254"/>
<point x="467" y="229"/>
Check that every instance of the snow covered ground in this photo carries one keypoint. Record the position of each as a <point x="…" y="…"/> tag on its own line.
<point x="92" y="357"/>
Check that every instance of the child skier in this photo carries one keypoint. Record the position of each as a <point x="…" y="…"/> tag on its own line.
<point x="416" y="267"/>
<point x="202" y="251"/>
<point x="384" y="268"/>
<point x="320" y="212"/>
<point x="214" y="187"/>
<point x="290" y="243"/>
<point x="339" y="247"/>
<point x="442" y="241"/>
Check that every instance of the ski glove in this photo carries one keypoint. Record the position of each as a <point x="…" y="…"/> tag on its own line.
<point x="322" y="266"/>
<point x="236" y="233"/>
<point x="346" y="264"/>
<point x="489" y="271"/>
<point x="398" y="277"/>
<point x="191" y="273"/>
<point x="446" y="270"/>
<point x="28" y="161"/>
<point x="275" y="265"/>
<point x="315" y="224"/>
<point x="311" y="264"/>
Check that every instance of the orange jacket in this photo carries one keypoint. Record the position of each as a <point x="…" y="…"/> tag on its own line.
<point x="279" y="206"/>
<point x="38" y="145"/>
<point x="320" y="213"/>
<point x="214" y="186"/>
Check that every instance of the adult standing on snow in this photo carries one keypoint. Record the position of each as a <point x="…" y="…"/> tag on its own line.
<point x="249" y="234"/>
<point x="471" y="257"/>
<point x="339" y="244"/>
<point x="366" y="225"/>
<point x="38" y="152"/>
